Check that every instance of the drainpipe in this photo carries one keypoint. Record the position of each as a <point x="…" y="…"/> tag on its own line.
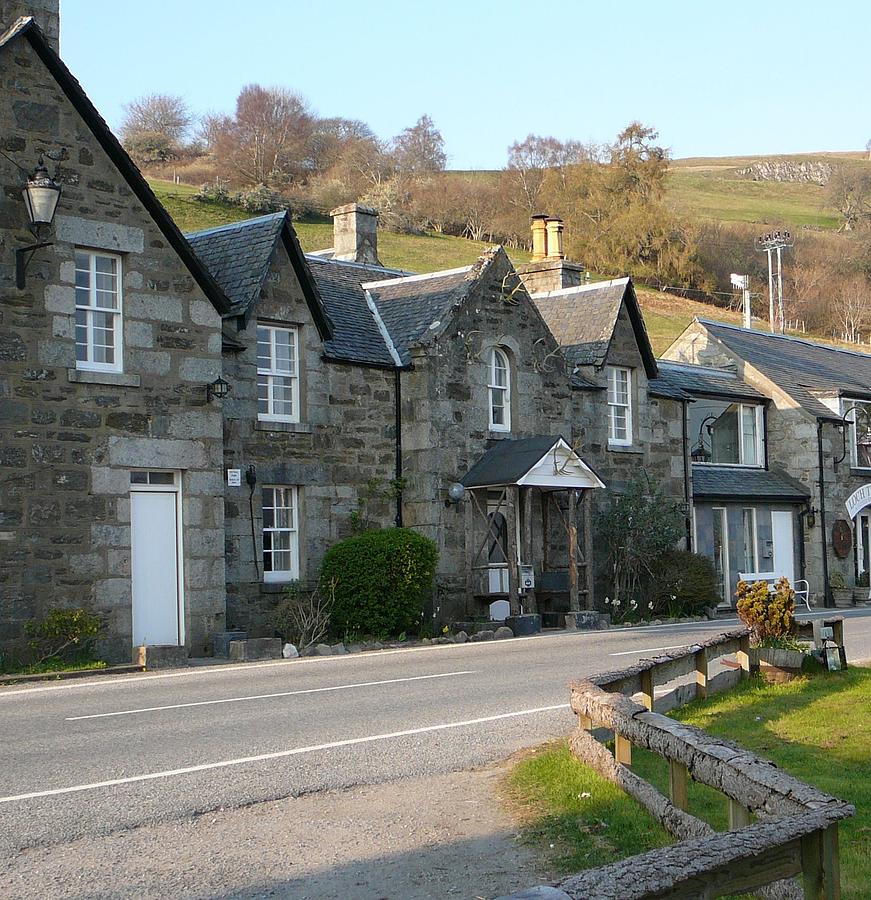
<point x="688" y="519"/>
<point x="397" y="399"/>
<point x="827" y="592"/>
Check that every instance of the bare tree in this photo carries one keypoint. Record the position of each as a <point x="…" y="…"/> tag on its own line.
<point x="851" y="304"/>
<point x="268" y="140"/>
<point x="530" y="161"/>
<point x="849" y="191"/>
<point x="420" y="149"/>
<point x="164" y="114"/>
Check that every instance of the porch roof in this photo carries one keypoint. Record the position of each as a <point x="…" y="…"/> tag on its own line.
<point x="545" y="461"/>
<point x="740" y="483"/>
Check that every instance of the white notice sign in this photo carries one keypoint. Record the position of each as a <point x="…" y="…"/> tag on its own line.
<point x="234" y="477"/>
<point x="859" y="499"/>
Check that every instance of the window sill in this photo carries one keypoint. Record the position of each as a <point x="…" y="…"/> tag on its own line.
<point x="626" y="448"/>
<point x="276" y="587"/>
<point x="87" y="376"/>
<point x="498" y="435"/>
<point x="288" y="427"/>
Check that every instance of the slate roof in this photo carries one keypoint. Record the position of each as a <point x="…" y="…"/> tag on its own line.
<point x="741" y="483"/>
<point x="27" y="29"/>
<point x="508" y="461"/>
<point x="414" y="305"/>
<point x="238" y="257"/>
<point x="801" y="368"/>
<point x="684" y="380"/>
<point x="356" y="335"/>
<point x="582" y="320"/>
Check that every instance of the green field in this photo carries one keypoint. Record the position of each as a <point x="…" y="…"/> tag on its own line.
<point x="818" y="729"/>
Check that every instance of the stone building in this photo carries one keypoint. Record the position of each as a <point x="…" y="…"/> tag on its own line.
<point x="110" y="449"/>
<point x="782" y="462"/>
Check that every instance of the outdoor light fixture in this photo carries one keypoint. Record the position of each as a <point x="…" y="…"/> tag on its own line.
<point x="861" y="419"/>
<point x="456" y="492"/>
<point x="218" y="389"/>
<point x="41" y="195"/>
<point x="700" y="453"/>
<point x="810" y="515"/>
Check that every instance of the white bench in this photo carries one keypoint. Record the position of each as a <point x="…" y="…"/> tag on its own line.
<point x="801" y="587"/>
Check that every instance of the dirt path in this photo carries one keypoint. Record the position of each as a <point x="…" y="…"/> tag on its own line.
<point x="443" y="836"/>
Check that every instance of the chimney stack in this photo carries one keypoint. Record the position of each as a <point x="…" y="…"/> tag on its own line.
<point x="539" y="237"/>
<point x="555" y="238"/>
<point x="46" y="13"/>
<point x="355" y="234"/>
<point x="549" y="269"/>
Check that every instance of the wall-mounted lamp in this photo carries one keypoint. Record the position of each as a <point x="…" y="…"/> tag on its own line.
<point x="41" y="195"/>
<point x="700" y="453"/>
<point x="456" y="492"/>
<point x="217" y="390"/>
<point x="810" y="515"/>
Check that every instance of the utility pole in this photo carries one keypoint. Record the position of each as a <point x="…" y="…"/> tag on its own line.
<point x="775" y="241"/>
<point x="742" y="282"/>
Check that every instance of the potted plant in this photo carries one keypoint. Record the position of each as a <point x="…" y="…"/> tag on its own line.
<point x="862" y="591"/>
<point x="770" y="617"/>
<point x="841" y="594"/>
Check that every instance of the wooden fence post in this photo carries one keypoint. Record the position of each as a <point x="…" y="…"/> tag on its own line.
<point x="812" y="866"/>
<point x="622" y="749"/>
<point x="702" y="674"/>
<point x="647" y="687"/>
<point x="743" y="655"/>
<point x="677" y="784"/>
<point x="831" y="864"/>
<point x="739" y="815"/>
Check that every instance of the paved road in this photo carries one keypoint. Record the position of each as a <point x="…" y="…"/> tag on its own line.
<point x="86" y="758"/>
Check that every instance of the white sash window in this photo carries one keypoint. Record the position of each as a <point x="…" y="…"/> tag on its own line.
<point x="98" y="311"/>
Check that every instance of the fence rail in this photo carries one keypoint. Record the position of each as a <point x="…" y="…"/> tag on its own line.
<point x="779" y="827"/>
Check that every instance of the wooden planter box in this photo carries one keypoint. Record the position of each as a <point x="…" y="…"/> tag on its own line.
<point x="775" y="665"/>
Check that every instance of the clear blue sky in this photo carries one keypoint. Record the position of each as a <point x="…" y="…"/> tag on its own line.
<point x="714" y="79"/>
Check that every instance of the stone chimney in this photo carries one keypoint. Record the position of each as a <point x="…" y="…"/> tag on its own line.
<point x="549" y="269"/>
<point x="355" y="234"/>
<point x="45" y="12"/>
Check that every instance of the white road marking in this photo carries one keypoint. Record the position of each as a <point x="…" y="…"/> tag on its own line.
<point x="280" y="754"/>
<point x="647" y="650"/>
<point x="338" y="687"/>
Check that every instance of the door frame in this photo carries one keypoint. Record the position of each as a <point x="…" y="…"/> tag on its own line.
<point x="174" y="488"/>
<point x="794" y="574"/>
<point x="862" y="564"/>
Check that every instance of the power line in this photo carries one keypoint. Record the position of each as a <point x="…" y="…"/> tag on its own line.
<point x="766" y="243"/>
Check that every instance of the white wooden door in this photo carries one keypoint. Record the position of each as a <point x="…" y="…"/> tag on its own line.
<point x="154" y="539"/>
<point x="783" y="540"/>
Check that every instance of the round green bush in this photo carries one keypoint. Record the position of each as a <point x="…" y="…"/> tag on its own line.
<point x="381" y="580"/>
<point x="683" y="584"/>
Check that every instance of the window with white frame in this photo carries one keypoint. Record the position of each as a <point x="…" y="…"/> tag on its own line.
<point x="499" y="389"/>
<point x="277" y="374"/>
<point x="98" y="311"/>
<point x="727" y="433"/>
<point x="858" y="412"/>
<point x="280" y="533"/>
<point x="619" y="406"/>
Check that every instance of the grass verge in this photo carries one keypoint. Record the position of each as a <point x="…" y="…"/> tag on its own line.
<point x="818" y="729"/>
<point x="49" y="666"/>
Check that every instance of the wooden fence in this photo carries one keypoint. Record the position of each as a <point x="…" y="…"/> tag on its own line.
<point x="780" y="827"/>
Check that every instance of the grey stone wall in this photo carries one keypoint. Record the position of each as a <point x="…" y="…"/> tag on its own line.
<point x="68" y="439"/>
<point x="345" y="439"/>
<point x="46" y="13"/>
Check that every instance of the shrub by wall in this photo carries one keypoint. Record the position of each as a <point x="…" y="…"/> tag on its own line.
<point x="381" y="580"/>
<point x="682" y="584"/>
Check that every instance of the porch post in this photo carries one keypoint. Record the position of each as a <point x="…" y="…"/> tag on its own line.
<point x="572" y="530"/>
<point x="587" y="500"/>
<point x="526" y="536"/>
<point x="512" y="496"/>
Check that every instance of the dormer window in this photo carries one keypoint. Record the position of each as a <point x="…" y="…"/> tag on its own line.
<point x="619" y="406"/>
<point x="727" y="434"/>
<point x="277" y="374"/>
<point x="499" y="390"/>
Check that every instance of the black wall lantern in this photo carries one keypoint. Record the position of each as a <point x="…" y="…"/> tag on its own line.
<point x="41" y="195"/>
<point x="218" y="389"/>
<point x="700" y="453"/>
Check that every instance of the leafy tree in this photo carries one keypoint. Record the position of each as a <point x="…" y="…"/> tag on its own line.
<point x="420" y="149"/>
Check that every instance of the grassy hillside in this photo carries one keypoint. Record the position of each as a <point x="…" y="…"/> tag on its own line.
<point x="416" y="253"/>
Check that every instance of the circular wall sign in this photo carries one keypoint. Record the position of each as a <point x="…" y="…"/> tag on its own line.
<point x="842" y="538"/>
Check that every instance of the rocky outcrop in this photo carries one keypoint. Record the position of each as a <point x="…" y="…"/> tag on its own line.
<point x="810" y="172"/>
